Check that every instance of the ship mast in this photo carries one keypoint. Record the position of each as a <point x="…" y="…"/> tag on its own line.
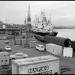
<point x="51" y="29"/>
<point x="44" y="19"/>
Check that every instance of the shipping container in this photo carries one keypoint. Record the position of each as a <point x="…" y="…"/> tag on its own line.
<point x="48" y="64"/>
<point x="54" y="49"/>
<point x="68" y="52"/>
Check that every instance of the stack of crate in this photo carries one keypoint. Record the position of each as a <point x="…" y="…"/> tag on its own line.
<point x="4" y="58"/>
<point x="23" y="42"/>
<point x="18" y="41"/>
<point x="32" y="42"/>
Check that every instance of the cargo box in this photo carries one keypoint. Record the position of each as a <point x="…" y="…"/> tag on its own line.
<point x="68" y="52"/>
<point x="48" y="64"/>
<point x="54" y="49"/>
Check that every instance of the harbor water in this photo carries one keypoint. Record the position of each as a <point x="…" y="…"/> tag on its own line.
<point x="67" y="33"/>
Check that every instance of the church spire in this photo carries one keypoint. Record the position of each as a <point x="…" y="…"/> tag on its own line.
<point x="29" y="15"/>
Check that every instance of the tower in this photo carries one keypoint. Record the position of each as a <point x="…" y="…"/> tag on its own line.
<point x="28" y="19"/>
<point x="29" y="15"/>
<point x="28" y="26"/>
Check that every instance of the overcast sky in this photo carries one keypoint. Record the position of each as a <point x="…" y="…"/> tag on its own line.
<point x="61" y="12"/>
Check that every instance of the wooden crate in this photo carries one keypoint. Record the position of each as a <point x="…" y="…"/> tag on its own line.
<point x="48" y="64"/>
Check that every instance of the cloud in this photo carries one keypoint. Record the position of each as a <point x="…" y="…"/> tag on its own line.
<point x="60" y="11"/>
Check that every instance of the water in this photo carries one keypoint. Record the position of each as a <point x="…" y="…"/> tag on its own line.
<point x="67" y="33"/>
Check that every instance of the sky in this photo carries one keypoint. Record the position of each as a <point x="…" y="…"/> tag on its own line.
<point x="61" y="13"/>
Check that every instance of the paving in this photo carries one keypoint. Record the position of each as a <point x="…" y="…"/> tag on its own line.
<point x="67" y="64"/>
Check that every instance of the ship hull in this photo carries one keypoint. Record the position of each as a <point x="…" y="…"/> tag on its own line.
<point x="46" y="33"/>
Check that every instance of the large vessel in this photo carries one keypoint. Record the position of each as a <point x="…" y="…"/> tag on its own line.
<point x="43" y="26"/>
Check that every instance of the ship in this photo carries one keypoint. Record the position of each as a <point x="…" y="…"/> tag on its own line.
<point x="43" y="26"/>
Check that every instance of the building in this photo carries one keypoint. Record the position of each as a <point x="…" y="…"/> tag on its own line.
<point x="11" y="29"/>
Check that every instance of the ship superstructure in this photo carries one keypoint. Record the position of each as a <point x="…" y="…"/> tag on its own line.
<point x="43" y="25"/>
